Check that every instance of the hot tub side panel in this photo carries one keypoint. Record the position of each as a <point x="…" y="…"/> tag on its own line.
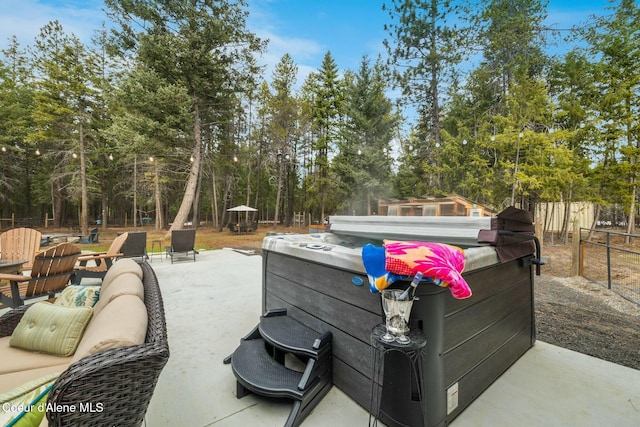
<point x="485" y="334"/>
<point x="470" y="343"/>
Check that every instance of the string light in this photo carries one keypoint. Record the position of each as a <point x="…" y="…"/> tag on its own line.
<point x="111" y="156"/>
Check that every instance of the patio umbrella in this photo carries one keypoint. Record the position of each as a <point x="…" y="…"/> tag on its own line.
<point x="241" y="208"/>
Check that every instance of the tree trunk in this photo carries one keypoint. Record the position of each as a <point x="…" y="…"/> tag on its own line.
<point x="84" y="204"/>
<point x="278" y="194"/>
<point x="632" y="213"/>
<point x="159" y="215"/>
<point x="214" y="202"/>
<point x="195" y="218"/>
<point x="57" y="202"/>
<point x="567" y="215"/>
<point x="194" y="172"/>
<point x="595" y="221"/>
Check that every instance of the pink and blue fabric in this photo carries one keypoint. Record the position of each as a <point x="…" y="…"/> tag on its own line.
<point x="440" y="264"/>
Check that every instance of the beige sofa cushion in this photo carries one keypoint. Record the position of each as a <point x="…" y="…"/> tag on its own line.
<point x="126" y="284"/>
<point x="122" y="322"/>
<point x="123" y="265"/>
<point x="12" y="380"/>
<point x="15" y="359"/>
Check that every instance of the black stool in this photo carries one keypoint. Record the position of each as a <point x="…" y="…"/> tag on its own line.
<point x="397" y="382"/>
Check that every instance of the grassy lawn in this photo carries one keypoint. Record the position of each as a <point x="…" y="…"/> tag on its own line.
<point x="206" y="238"/>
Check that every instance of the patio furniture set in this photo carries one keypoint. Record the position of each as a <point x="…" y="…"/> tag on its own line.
<point x="27" y="274"/>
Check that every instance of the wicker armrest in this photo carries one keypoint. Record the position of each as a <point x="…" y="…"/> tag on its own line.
<point x="10" y="320"/>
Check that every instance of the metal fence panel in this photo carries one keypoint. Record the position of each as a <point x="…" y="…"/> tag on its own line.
<point x="609" y="260"/>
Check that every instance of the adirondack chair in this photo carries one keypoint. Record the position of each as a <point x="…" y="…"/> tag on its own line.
<point x="92" y="237"/>
<point x="97" y="264"/>
<point x="20" y="244"/>
<point x="182" y="241"/>
<point x="50" y="273"/>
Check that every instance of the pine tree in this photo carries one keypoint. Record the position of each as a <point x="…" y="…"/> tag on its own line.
<point x="202" y="46"/>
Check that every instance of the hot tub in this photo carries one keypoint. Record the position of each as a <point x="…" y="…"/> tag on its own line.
<point x="470" y="342"/>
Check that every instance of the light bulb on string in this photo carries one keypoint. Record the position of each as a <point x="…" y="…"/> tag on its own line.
<point x="4" y="149"/>
<point x="110" y="156"/>
<point x="151" y="158"/>
<point x="37" y="152"/>
<point x="74" y="155"/>
<point x="191" y="159"/>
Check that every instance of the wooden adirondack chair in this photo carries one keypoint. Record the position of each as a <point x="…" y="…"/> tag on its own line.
<point x="20" y="244"/>
<point x="50" y="273"/>
<point x="100" y="261"/>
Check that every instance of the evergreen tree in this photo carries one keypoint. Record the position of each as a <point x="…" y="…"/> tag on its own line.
<point x="15" y="123"/>
<point x="64" y="103"/>
<point x="201" y="45"/>
<point x="424" y="47"/>
<point x="614" y="45"/>
<point x="283" y="128"/>
<point x="363" y="163"/>
<point x="327" y="114"/>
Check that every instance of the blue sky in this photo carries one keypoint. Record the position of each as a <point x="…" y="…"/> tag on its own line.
<point x="306" y="29"/>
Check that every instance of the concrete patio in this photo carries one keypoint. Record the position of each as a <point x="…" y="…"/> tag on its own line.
<point x="212" y="303"/>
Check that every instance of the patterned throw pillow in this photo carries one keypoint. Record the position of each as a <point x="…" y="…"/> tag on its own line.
<point x="52" y="329"/>
<point x="26" y="405"/>
<point x="78" y="296"/>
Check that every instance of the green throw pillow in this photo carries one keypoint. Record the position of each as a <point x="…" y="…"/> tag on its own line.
<point x="27" y="404"/>
<point x="78" y="296"/>
<point x="52" y="329"/>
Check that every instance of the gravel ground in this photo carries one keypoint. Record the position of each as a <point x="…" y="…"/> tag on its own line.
<point x="574" y="313"/>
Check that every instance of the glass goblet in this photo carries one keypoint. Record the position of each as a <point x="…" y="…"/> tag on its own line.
<point x="403" y="307"/>
<point x="387" y="305"/>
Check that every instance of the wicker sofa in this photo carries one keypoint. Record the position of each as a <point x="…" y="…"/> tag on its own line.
<point x="119" y="382"/>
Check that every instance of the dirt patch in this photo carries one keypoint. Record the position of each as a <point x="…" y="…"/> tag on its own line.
<point x="574" y="313"/>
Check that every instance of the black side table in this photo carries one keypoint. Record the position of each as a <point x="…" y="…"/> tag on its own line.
<point x="397" y="383"/>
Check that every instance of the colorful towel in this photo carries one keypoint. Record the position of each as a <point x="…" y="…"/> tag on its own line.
<point x="441" y="264"/>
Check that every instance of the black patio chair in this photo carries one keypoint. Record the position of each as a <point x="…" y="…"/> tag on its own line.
<point x="182" y="242"/>
<point x="136" y="245"/>
<point x="232" y="228"/>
